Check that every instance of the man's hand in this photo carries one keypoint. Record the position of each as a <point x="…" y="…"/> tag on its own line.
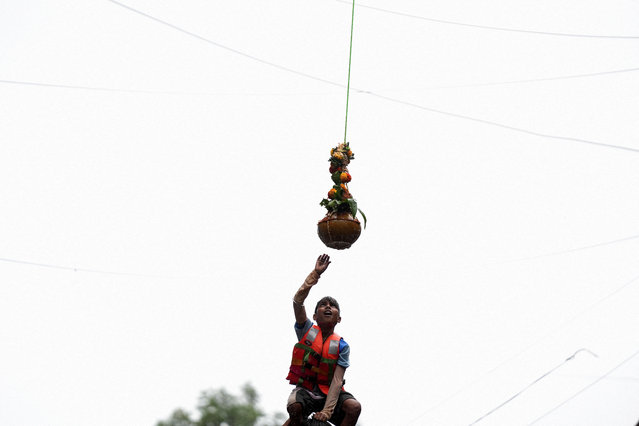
<point x="322" y="263"/>
<point x="321" y="416"/>
<point x="298" y="300"/>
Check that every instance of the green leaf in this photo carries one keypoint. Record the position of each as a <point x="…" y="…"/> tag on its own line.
<point x="352" y="204"/>
<point x="364" y="216"/>
<point x="335" y="177"/>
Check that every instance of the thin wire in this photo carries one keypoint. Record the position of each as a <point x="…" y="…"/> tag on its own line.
<point x="529" y="80"/>
<point x="524" y="350"/>
<point x="78" y="87"/>
<point x="503" y="126"/>
<point x="586" y="387"/>
<point x="570" y="358"/>
<point x="230" y="49"/>
<point x="460" y="116"/>
<point x="539" y="256"/>
<point x="451" y="86"/>
<point x="367" y="92"/>
<point x="350" y="56"/>
<point x="92" y="271"/>
<point x="486" y="27"/>
<point x="151" y="92"/>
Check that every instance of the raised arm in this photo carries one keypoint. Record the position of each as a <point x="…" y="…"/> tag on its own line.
<point x="298" y="300"/>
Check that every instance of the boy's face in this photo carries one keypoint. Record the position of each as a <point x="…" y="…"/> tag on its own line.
<point x="327" y="313"/>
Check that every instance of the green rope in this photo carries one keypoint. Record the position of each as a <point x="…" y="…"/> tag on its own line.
<point x="348" y="86"/>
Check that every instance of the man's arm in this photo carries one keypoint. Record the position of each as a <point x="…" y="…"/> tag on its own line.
<point x="333" y="394"/>
<point x="298" y="300"/>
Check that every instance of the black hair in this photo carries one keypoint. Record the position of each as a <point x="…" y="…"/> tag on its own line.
<point x="330" y="300"/>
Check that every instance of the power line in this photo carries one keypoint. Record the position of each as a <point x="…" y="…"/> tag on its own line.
<point x="387" y="98"/>
<point x="487" y="27"/>
<point x="451" y="86"/>
<point x="92" y="271"/>
<point x="621" y="379"/>
<point x="78" y="87"/>
<point x="585" y="388"/>
<point x="529" y="80"/>
<point x="371" y="93"/>
<point x="149" y="92"/>
<point x="230" y="49"/>
<point x="588" y="247"/>
<point x="501" y="125"/>
<point x="549" y="372"/>
<point x="281" y="67"/>
<point x="524" y="350"/>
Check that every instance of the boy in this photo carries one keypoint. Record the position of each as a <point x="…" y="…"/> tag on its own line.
<point x="319" y="361"/>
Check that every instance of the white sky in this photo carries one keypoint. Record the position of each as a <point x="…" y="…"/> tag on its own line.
<point x="483" y="266"/>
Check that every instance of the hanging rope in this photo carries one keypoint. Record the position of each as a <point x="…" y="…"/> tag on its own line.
<point x="348" y="83"/>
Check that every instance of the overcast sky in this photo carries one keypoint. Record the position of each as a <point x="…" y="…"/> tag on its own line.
<point x="161" y="174"/>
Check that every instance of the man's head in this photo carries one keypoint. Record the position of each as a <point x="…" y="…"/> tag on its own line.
<point x="327" y="311"/>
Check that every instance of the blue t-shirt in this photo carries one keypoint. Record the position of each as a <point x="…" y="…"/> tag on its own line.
<point x="344" y="349"/>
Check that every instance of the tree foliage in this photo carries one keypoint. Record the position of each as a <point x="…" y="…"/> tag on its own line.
<point x="217" y="407"/>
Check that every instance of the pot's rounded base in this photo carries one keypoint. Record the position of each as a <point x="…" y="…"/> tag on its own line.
<point x="339" y="230"/>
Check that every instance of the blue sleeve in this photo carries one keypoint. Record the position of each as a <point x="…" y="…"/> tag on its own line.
<point x="301" y="330"/>
<point x="344" y="354"/>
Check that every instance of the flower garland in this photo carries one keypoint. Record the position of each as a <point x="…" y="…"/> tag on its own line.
<point x="339" y="197"/>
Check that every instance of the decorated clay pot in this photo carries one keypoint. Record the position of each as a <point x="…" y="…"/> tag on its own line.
<point x="338" y="230"/>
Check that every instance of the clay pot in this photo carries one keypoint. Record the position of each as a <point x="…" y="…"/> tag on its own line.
<point x="338" y="230"/>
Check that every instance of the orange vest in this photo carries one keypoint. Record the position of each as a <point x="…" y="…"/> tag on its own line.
<point x="314" y="361"/>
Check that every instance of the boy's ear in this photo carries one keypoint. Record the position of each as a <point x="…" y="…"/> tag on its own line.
<point x="339" y="319"/>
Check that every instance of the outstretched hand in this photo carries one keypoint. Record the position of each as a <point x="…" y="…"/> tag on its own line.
<point x="322" y="263"/>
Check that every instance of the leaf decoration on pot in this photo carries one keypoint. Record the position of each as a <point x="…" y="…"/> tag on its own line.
<point x="339" y="197"/>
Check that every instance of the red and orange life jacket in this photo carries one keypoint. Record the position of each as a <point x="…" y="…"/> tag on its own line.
<point x="314" y="360"/>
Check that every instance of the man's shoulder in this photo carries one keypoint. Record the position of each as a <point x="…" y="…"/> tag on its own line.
<point x="344" y="354"/>
<point x="305" y="326"/>
<point x="301" y="329"/>
<point x="343" y="346"/>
